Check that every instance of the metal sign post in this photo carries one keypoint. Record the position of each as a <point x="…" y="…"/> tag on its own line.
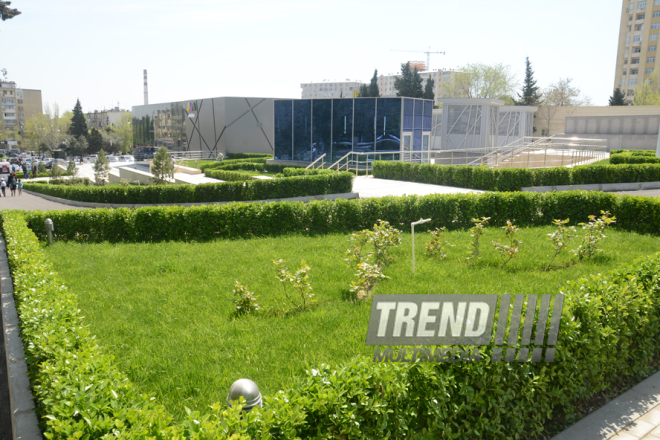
<point x="412" y="226"/>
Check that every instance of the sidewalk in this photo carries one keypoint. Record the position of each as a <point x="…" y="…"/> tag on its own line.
<point x="28" y="202"/>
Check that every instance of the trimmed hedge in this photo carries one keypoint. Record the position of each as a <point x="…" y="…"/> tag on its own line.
<point x="215" y="165"/>
<point x="513" y="179"/>
<point x="299" y="186"/>
<point x="635" y="152"/>
<point x="228" y="176"/>
<point x="249" y="156"/>
<point x="249" y="166"/>
<point x="617" y="159"/>
<point x="289" y="172"/>
<point x="610" y="325"/>
<point x="454" y="211"/>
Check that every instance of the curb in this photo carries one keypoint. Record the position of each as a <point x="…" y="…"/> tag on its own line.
<point x="24" y="423"/>
<point x="605" y="187"/>
<point x="347" y="196"/>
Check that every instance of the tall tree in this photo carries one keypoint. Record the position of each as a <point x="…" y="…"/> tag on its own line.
<point x="6" y="12"/>
<point x="559" y="94"/>
<point x="95" y="141"/>
<point x="78" y="122"/>
<point x="409" y="84"/>
<point x="48" y="129"/>
<point x="162" y="166"/>
<point x="648" y="93"/>
<point x="482" y="81"/>
<point x="101" y="168"/>
<point x="428" y="89"/>
<point x="373" y="85"/>
<point x="530" y="91"/>
<point x="364" y="91"/>
<point x="618" y="98"/>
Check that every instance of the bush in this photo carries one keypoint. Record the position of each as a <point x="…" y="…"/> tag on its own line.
<point x="291" y="171"/>
<point x="617" y="159"/>
<point x="513" y="179"/>
<point x="228" y="176"/>
<point x="249" y="156"/>
<point x="248" y="166"/>
<point x="597" y="350"/>
<point x="220" y="165"/>
<point x="77" y="181"/>
<point x="635" y="152"/>
<point x="297" y="186"/>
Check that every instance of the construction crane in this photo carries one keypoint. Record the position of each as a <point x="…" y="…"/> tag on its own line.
<point x="427" y="52"/>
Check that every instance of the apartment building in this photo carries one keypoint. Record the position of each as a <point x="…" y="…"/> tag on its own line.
<point x="18" y="105"/>
<point x="638" y="44"/>
<point x="331" y="89"/>
<point x="101" y="119"/>
<point x="440" y="78"/>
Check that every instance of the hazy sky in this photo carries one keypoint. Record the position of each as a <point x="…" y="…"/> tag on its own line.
<point x="96" y="50"/>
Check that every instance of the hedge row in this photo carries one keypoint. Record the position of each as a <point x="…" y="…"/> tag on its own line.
<point x="215" y="165"/>
<point x="513" y="179"/>
<point x="249" y="156"/>
<point x="289" y="172"/>
<point x="250" y="166"/>
<point x="454" y="211"/>
<point x="228" y="176"/>
<point x="299" y="186"/>
<point x="634" y="152"/>
<point x="80" y="393"/>
<point x="617" y="159"/>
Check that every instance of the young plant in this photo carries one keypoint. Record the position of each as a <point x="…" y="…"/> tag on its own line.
<point x="560" y="237"/>
<point x="101" y="168"/>
<point x="595" y="233"/>
<point x="383" y="238"/>
<point x="478" y="230"/>
<point x="298" y="283"/>
<point x="71" y="168"/>
<point x="435" y="248"/>
<point x="508" y="251"/>
<point x="246" y="301"/>
<point x="367" y="276"/>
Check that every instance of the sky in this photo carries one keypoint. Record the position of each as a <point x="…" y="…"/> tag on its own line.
<point x="96" y="51"/>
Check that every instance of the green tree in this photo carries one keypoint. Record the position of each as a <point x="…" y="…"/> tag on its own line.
<point x="78" y="146"/>
<point x="364" y="91"/>
<point x="618" y="98"/>
<point x="101" y="168"/>
<point x="95" y="142"/>
<point x="648" y="93"/>
<point x="162" y="167"/>
<point x="6" y="12"/>
<point x="530" y="92"/>
<point x="482" y="81"/>
<point x="428" y="89"/>
<point x="409" y="84"/>
<point x="47" y="131"/>
<point x="124" y="132"/>
<point x="373" y="85"/>
<point x="78" y="122"/>
<point x="559" y="94"/>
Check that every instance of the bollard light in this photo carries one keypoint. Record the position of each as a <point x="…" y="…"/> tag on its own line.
<point x="412" y="226"/>
<point x="48" y="224"/>
<point x="246" y="389"/>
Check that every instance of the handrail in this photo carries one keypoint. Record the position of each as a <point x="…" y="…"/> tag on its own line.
<point x="337" y="163"/>
<point x="311" y="165"/>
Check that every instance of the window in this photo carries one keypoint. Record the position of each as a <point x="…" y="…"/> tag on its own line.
<point x="641" y="5"/>
<point x="625" y="62"/>
<point x="20" y="101"/>
<point x="20" y="108"/>
<point x="656" y="14"/>
<point x="653" y="37"/>
<point x="21" y="115"/>
<point x="637" y="38"/>
<point x="634" y="71"/>
<point x="632" y="6"/>
<point x="649" y="71"/>
<point x="656" y="3"/>
<point x="650" y="60"/>
<point x="653" y="48"/>
<point x="631" y="92"/>
<point x="637" y="50"/>
<point x="628" y="39"/>
<point x="641" y="16"/>
<point x="632" y="82"/>
<point x="639" y="27"/>
<point x="634" y="61"/>
<point x="655" y="25"/>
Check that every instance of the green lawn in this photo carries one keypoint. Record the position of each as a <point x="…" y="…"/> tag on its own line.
<point x="197" y="163"/>
<point x="163" y="310"/>
<point x="600" y="162"/>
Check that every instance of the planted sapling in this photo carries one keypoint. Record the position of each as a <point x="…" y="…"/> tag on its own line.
<point x="508" y="251"/>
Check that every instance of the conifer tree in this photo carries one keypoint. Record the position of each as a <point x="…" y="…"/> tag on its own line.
<point x="410" y="82"/>
<point x="162" y="167"/>
<point x="95" y="141"/>
<point x="78" y="125"/>
<point x="101" y="168"/>
<point x="373" y="86"/>
<point x="530" y="91"/>
<point x="364" y="91"/>
<point x="618" y="98"/>
<point x="428" y="89"/>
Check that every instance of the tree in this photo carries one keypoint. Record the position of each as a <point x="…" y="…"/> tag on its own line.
<point x="364" y="91"/>
<point x="71" y="168"/>
<point x="78" y="146"/>
<point x="530" y="92"/>
<point x="618" y="98"/>
<point x="410" y="83"/>
<point x="95" y="141"/>
<point x="101" y="168"/>
<point x="559" y="94"/>
<point x="428" y="89"/>
<point x="78" y="122"/>
<point x="124" y="132"/>
<point x="373" y="85"/>
<point x="648" y="93"/>
<point x="6" y="12"/>
<point x="482" y="81"/>
<point x="111" y="140"/>
<point x="47" y="131"/>
<point x="162" y="167"/>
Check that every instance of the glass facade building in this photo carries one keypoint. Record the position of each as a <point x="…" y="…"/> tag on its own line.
<point x="308" y="128"/>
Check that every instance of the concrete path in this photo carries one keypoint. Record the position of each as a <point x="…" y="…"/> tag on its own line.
<point x="370" y="187"/>
<point x="648" y="193"/>
<point x="29" y="202"/>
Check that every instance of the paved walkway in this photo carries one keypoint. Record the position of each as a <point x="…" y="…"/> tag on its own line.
<point x="371" y="187"/>
<point x="29" y="202"/>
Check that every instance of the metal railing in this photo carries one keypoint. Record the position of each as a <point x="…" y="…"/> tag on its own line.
<point x="315" y="164"/>
<point x="361" y="163"/>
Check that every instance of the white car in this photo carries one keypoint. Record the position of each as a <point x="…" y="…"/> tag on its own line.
<point x="127" y="159"/>
<point x="113" y="159"/>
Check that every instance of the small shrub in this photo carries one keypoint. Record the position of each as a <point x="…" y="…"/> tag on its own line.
<point x="71" y="168"/>
<point x="383" y="238"/>
<point x="41" y="168"/>
<point x="299" y="284"/>
<point x="560" y="237"/>
<point x="162" y="167"/>
<point x="477" y="231"/>
<point x="595" y="233"/>
<point x="220" y="157"/>
<point x="433" y="247"/>
<point x="125" y="182"/>
<point x="511" y="247"/>
<point x="101" y="168"/>
<point x="55" y="172"/>
<point x="246" y="301"/>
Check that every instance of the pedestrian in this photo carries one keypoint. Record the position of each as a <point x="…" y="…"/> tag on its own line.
<point x="34" y="170"/>
<point x="3" y="186"/>
<point x="26" y="175"/>
<point x="19" y="185"/>
<point x="12" y="184"/>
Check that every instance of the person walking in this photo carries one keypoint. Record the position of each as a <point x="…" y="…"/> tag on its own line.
<point x="26" y="175"/>
<point x="19" y="185"/>
<point x="12" y="184"/>
<point x="34" y="170"/>
<point x="3" y="186"/>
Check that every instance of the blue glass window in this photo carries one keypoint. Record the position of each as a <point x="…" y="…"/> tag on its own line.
<point x="388" y="124"/>
<point x="302" y="130"/>
<point x="321" y="128"/>
<point x="428" y="115"/>
<point x="283" y="130"/>
<point x="419" y="114"/>
<point x="364" y="127"/>
<point x="342" y="128"/>
<point x="408" y="107"/>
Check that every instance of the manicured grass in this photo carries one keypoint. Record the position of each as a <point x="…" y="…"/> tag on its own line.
<point x="164" y="310"/>
<point x="197" y="163"/>
<point x="600" y="162"/>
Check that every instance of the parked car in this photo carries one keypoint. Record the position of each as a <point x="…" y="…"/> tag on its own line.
<point x="128" y="158"/>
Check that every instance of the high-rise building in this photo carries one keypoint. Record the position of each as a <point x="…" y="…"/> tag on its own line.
<point x="331" y="89"/>
<point x="638" y="44"/>
<point x="18" y="105"/>
<point x="101" y="119"/>
<point x="440" y="78"/>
